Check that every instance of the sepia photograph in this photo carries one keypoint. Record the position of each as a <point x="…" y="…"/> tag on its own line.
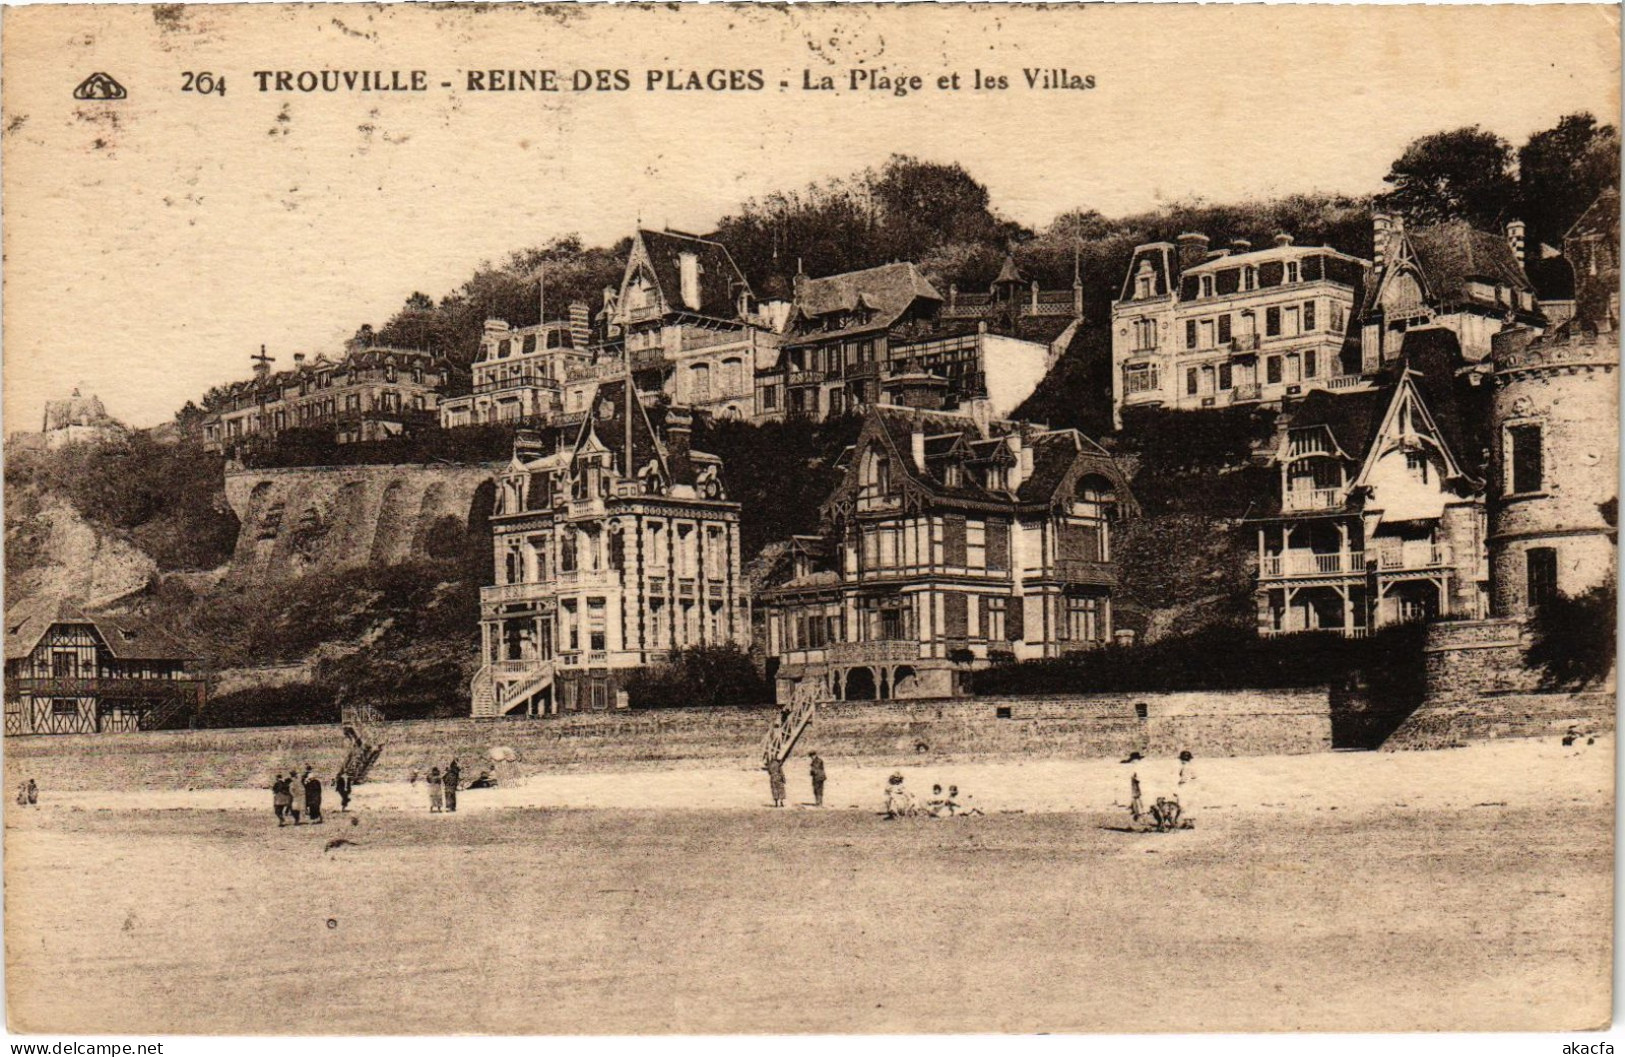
<point x="811" y="519"/>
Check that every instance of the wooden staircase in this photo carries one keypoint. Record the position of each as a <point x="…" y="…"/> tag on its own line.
<point x="488" y="701"/>
<point x="792" y="722"/>
<point x="366" y="743"/>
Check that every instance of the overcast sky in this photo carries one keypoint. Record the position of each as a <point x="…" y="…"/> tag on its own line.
<point x="154" y="243"/>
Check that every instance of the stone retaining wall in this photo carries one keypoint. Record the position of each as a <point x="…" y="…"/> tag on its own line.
<point x="1107" y="725"/>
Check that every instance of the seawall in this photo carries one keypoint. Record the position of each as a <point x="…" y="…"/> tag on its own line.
<point x="1232" y="723"/>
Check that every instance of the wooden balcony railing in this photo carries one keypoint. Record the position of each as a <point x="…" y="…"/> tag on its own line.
<point x="1310" y="563"/>
<point x="1311" y="498"/>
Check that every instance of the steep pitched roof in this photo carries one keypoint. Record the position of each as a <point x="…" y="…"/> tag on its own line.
<point x="720" y="279"/>
<point x="888" y="291"/>
<point x="1453" y="254"/>
<point x="127" y="637"/>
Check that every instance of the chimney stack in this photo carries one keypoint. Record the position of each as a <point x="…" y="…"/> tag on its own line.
<point x="679" y="429"/>
<point x="1283" y="239"/>
<point x="580" y="324"/>
<point x="1239" y="246"/>
<point x="917" y="447"/>
<point x="1515" y="230"/>
<point x="1381" y="225"/>
<point x="298" y="358"/>
<point x="1192" y="249"/>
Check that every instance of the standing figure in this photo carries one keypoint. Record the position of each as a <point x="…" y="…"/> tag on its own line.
<point x="1186" y="793"/>
<point x="33" y="793"/>
<point x="22" y="794"/>
<point x="437" y="792"/>
<point x="342" y="786"/>
<point x="775" y="780"/>
<point x="313" y="797"/>
<point x="1136" y="802"/>
<point x="280" y="800"/>
<point x="816" y="768"/>
<point x="452" y="779"/>
<point x="296" y="793"/>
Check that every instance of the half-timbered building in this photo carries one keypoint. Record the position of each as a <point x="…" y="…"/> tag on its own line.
<point x="952" y="542"/>
<point x="70" y="672"/>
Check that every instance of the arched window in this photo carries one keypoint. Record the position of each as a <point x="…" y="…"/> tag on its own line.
<point x="699" y="382"/>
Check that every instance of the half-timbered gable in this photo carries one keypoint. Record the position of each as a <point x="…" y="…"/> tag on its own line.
<point x="949" y="543"/>
<point x="71" y="672"/>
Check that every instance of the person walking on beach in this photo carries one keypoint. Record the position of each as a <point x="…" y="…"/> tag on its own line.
<point x="313" y="797"/>
<point x="816" y="768"/>
<point x="452" y="779"/>
<point x="280" y="800"/>
<point x="1186" y="792"/>
<point x="33" y="794"/>
<point x="296" y="791"/>
<point x="342" y="786"/>
<point x="437" y="792"/>
<point x="775" y="780"/>
<point x="1136" y="802"/>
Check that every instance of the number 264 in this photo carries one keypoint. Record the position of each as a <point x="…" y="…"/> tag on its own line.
<point x="204" y="83"/>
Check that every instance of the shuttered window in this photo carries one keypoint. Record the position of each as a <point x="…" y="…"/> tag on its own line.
<point x="955" y="615"/>
<point x="998" y="546"/>
<point x="953" y="540"/>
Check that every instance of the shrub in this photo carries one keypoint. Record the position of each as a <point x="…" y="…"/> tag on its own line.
<point x="1573" y="639"/>
<point x="1224" y="658"/>
<point x="705" y="676"/>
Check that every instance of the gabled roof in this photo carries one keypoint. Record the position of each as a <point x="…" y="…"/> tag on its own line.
<point x="888" y="291"/>
<point x="720" y="280"/>
<point x="1058" y="456"/>
<point x="127" y="637"/>
<point x="1009" y="273"/>
<point x="1451" y="255"/>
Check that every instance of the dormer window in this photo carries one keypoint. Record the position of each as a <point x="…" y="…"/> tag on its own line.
<point x="688" y="268"/>
<point x="1145" y="281"/>
<point x="1207" y="286"/>
<point x="1249" y="278"/>
<point x="1292" y="275"/>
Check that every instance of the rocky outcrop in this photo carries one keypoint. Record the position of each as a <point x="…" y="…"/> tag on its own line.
<point x="301" y="520"/>
<point x="78" y="563"/>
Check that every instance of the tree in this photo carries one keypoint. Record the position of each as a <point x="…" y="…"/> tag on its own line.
<point x="1572" y="640"/>
<point x="1561" y="171"/>
<point x="1465" y="174"/>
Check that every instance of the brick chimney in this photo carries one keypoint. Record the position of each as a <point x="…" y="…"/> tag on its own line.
<point x="1192" y="249"/>
<point x="1515" y="231"/>
<point x="580" y="324"/>
<point x="679" y="431"/>
<point x="916" y="447"/>
<point x="1381" y="226"/>
<point x="1240" y="246"/>
<point x="1283" y="239"/>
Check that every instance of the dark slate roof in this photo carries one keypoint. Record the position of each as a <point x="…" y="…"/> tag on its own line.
<point x="1452" y="254"/>
<point x="1054" y="454"/>
<point x="720" y="278"/>
<point x="1164" y="261"/>
<point x="1009" y="273"/>
<point x="889" y="290"/>
<point x="128" y="637"/>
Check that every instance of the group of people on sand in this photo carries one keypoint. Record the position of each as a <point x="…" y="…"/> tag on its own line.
<point x="27" y="794"/>
<point x="297" y="798"/>
<point x="776" y="783"/>
<point x="900" y="802"/>
<point x="443" y="786"/>
<point x="1165" y="813"/>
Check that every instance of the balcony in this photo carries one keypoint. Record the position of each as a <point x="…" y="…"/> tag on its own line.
<point x="492" y="596"/>
<point x="1312" y="499"/>
<point x="1346" y="381"/>
<point x="873" y="652"/>
<point x="1311" y="563"/>
<point x="1082" y="571"/>
<point x="1396" y="557"/>
<point x="805" y="378"/>
<point x="89" y="686"/>
<point x="1241" y="394"/>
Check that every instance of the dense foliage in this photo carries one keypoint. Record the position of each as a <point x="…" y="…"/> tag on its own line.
<point x="1388" y="665"/>
<point x="167" y="499"/>
<point x="778" y="472"/>
<point x="1573" y="639"/>
<point x="700" y="676"/>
